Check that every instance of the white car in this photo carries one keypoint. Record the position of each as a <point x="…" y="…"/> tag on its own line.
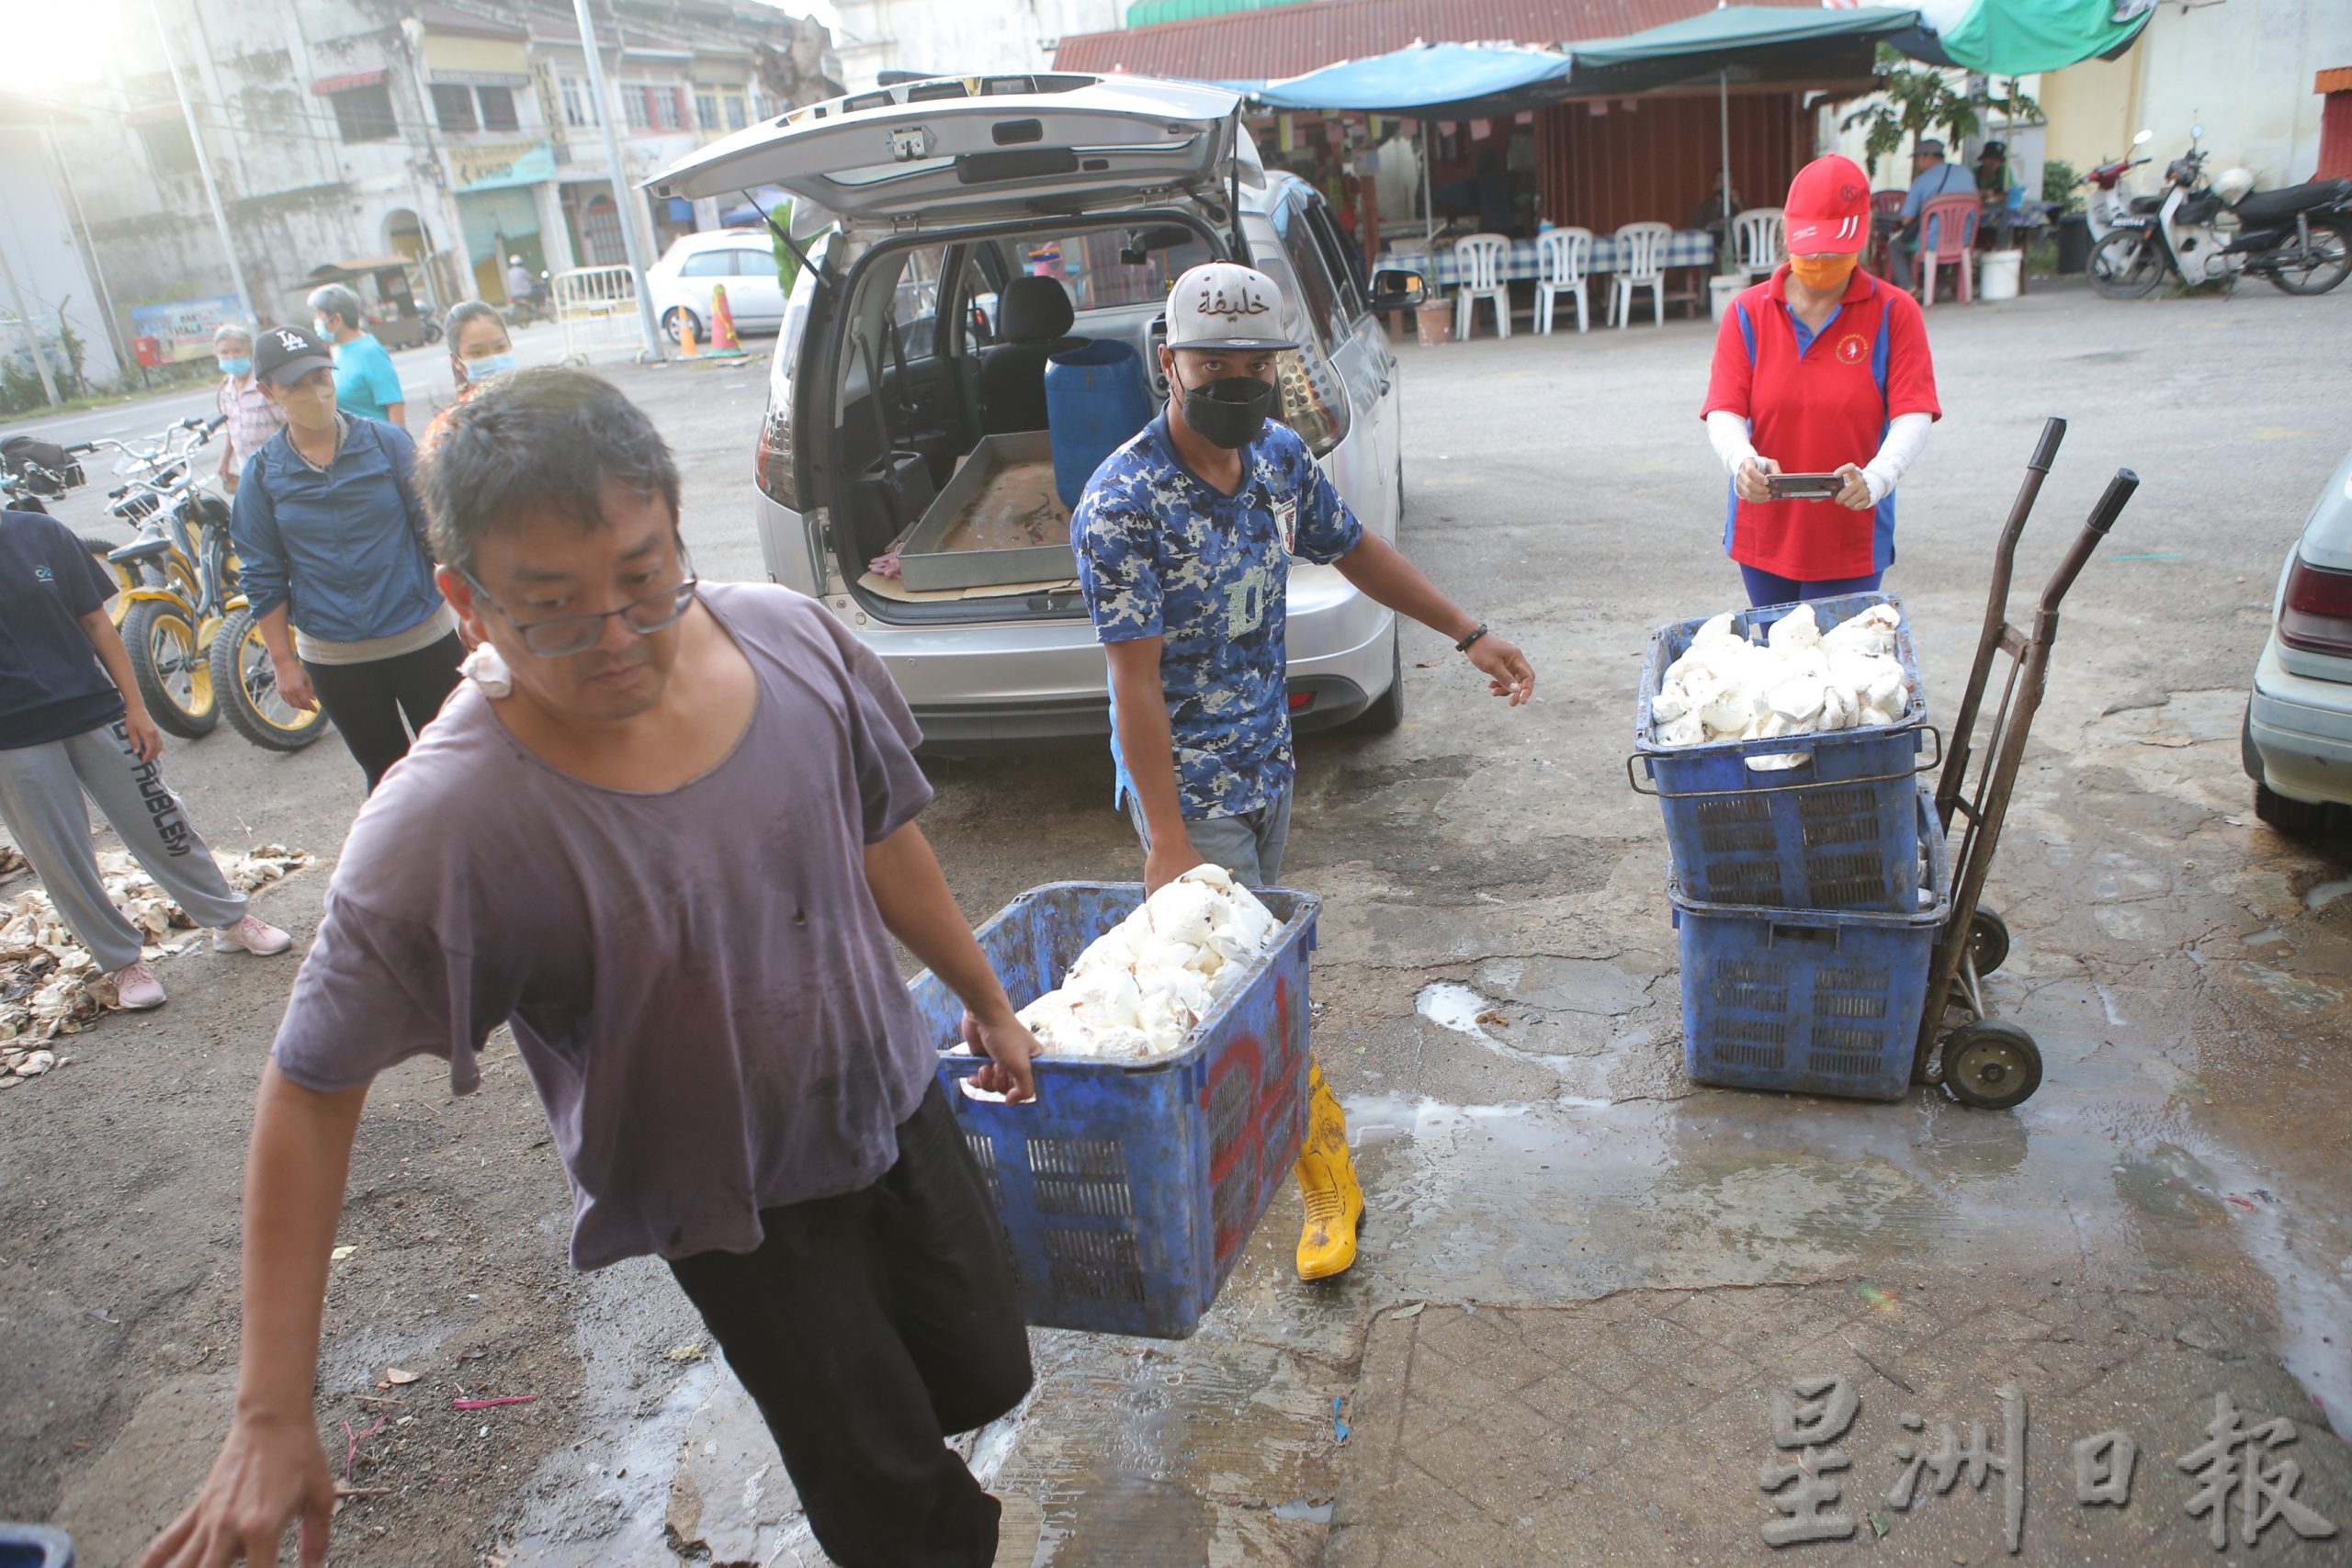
<point x="2299" y="720"/>
<point x="741" y="259"/>
<point x="921" y="327"/>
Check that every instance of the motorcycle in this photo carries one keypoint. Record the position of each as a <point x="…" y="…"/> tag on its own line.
<point x="2108" y="202"/>
<point x="523" y="309"/>
<point x="2299" y="239"/>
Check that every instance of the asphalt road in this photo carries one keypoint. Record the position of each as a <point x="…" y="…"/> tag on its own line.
<point x="423" y="372"/>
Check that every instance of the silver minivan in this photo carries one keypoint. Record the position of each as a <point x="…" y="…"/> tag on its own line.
<point x="894" y="363"/>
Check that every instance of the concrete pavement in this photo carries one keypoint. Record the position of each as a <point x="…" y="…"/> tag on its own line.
<point x="1583" y="1280"/>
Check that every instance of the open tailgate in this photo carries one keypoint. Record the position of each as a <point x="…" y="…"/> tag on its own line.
<point x="957" y="150"/>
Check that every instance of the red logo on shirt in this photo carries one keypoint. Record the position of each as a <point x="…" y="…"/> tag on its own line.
<point x="1852" y="349"/>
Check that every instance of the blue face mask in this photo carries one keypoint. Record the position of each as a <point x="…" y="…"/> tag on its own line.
<point x="489" y="365"/>
<point x="237" y="366"/>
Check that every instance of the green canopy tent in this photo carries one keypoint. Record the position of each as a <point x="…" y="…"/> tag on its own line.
<point x="2017" y="38"/>
<point x="1754" y="43"/>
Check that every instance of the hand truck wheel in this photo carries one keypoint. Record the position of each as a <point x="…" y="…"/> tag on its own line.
<point x="1988" y="940"/>
<point x="1991" y="1065"/>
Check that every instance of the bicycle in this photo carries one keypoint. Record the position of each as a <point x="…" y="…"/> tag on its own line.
<point x="191" y="635"/>
<point x="34" y="472"/>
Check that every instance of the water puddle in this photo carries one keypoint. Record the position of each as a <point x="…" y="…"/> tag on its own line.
<point x="1568" y="1199"/>
<point x="1453" y="1007"/>
<point x="1468" y="1013"/>
<point x="2326" y="893"/>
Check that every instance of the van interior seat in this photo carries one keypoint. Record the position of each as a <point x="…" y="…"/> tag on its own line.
<point x="1033" y="320"/>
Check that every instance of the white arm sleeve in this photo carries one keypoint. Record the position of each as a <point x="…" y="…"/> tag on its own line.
<point x="1905" y="439"/>
<point x="1727" y="433"/>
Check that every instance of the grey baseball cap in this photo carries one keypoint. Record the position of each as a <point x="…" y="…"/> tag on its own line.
<point x="1225" y="305"/>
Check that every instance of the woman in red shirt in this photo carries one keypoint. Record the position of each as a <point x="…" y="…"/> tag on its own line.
<point x="1822" y="368"/>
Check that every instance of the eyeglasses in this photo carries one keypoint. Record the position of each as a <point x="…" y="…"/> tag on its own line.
<point x="561" y="637"/>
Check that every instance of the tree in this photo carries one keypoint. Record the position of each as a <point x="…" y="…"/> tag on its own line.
<point x="1915" y="101"/>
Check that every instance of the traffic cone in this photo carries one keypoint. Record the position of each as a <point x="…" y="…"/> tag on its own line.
<point x="686" y="349"/>
<point x="722" y="322"/>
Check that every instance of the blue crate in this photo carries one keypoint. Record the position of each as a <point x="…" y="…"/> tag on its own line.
<point x="1128" y="1191"/>
<point x="1813" y="1001"/>
<point x="34" y="1546"/>
<point x="1836" y="832"/>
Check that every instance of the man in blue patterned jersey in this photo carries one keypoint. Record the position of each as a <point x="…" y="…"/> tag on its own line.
<point x="1184" y="538"/>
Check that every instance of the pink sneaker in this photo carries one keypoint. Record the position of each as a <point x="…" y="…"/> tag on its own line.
<point x="137" y="988"/>
<point x="251" y="934"/>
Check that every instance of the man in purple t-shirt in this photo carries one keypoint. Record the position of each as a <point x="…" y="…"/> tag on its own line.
<point x="670" y="848"/>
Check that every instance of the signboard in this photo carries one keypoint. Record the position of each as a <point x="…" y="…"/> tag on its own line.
<point x="501" y="165"/>
<point x="182" y="328"/>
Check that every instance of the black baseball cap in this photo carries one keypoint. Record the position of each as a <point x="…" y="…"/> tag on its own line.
<point x="286" y="354"/>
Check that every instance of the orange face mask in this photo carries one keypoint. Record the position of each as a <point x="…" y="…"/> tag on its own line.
<point x="1823" y="273"/>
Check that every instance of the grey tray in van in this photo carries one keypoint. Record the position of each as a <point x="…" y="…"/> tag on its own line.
<point x="926" y="568"/>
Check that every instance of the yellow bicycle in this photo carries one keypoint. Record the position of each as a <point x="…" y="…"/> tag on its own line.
<point x="195" y="646"/>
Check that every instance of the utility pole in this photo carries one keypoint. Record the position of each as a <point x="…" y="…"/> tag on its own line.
<point x="32" y="328"/>
<point x="622" y="194"/>
<point x="90" y="242"/>
<point x="204" y="165"/>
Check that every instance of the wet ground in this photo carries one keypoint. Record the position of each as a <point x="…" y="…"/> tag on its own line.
<point x="1584" y="1279"/>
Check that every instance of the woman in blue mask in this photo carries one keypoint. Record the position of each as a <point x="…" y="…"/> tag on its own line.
<point x="252" y="417"/>
<point x="478" y="346"/>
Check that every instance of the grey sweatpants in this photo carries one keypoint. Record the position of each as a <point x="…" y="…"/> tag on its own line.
<point x="41" y="801"/>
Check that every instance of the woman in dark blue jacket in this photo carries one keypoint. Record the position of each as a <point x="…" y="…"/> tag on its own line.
<point x="330" y="540"/>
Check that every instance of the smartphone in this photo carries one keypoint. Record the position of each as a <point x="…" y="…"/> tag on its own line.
<point x="1804" y="487"/>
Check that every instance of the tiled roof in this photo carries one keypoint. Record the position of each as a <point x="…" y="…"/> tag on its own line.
<point x="1288" y="40"/>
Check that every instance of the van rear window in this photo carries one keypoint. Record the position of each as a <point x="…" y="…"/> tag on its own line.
<point x="1093" y="266"/>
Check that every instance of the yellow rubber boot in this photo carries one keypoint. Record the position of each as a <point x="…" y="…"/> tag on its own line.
<point x="1327" y="1181"/>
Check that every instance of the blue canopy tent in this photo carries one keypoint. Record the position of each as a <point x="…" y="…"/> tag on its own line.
<point x="1454" y="80"/>
<point x="1426" y="80"/>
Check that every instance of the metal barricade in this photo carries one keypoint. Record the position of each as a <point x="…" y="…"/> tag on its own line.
<point x="596" y="308"/>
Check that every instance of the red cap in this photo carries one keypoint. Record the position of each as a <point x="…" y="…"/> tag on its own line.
<point x="1828" y="209"/>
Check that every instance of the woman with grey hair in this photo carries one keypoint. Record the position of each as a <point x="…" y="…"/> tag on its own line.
<point x="252" y="417"/>
<point x="366" y="385"/>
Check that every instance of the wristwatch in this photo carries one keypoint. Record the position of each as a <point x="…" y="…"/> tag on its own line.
<point x="1463" y="646"/>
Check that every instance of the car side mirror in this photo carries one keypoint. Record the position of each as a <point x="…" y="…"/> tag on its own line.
<point x="1397" y="289"/>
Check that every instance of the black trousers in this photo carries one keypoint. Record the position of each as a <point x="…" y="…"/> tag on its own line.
<point x="870" y="1327"/>
<point x="367" y="701"/>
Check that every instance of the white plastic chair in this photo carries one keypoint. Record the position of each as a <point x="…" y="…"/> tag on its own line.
<point x="1480" y="260"/>
<point x="1640" y="264"/>
<point x="1759" y="241"/>
<point x="1565" y="257"/>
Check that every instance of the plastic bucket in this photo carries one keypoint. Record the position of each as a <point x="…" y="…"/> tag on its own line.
<point x="1998" y="277"/>
<point x="1096" y="397"/>
<point x="1721" y="291"/>
<point x="1434" y="322"/>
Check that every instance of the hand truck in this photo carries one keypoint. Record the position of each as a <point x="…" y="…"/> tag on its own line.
<point x="1988" y="1062"/>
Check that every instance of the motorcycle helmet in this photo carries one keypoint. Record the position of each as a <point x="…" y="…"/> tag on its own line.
<point x="2234" y="184"/>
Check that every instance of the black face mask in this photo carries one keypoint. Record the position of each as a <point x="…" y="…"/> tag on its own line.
<point x="1231" y="412"/>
